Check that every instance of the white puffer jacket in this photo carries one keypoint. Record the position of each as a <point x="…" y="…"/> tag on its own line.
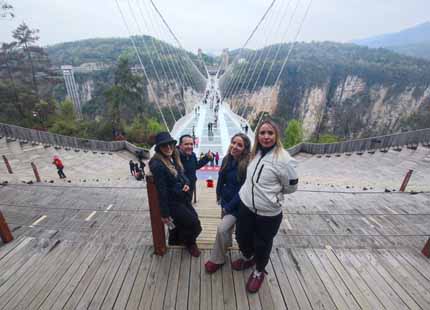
<point x="268" y="179"/>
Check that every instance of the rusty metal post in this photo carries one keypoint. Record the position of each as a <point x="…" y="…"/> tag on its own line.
<point x="406" y="181"/>
<point x="5" y="234"/>
<point x="36" y="172"/>
<point x="426" y="249"/>
<point x="6" y="162"/>
<point x="157" y="226"/>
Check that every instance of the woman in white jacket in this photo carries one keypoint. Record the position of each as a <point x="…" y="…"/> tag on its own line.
<point x="270" y="175"/>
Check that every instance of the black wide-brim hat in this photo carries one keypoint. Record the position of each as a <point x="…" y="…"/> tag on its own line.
<point x="164" y="138"/>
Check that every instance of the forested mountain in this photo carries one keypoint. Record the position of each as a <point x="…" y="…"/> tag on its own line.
<point x="108" y="50"/>
<point x="341" y="89"/>
<point x="114" y="92"/>
<point x="414" y="41"/>
<point x="336" y="88"/>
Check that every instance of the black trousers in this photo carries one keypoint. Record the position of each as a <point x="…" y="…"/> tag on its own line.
<point x="187" y="223"/>
<point x="255" y="234"/>
<point x="61" y="173"/>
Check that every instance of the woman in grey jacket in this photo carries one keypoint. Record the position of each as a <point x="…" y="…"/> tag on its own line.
<point x="270" y="175"/>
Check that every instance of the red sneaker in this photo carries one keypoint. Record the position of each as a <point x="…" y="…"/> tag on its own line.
<point x="241" y="264"/>
<point x="254" y="282"/>
<point x="211" y="267"/>
<point x="193" y="250"/>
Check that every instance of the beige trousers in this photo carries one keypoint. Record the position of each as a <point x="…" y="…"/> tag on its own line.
<point x="224" y="239"/>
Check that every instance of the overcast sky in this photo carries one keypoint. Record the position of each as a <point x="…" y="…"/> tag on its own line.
<point x="214" y="24"/>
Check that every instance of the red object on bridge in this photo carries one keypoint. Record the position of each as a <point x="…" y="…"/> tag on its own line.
<point x="210" y="183"/>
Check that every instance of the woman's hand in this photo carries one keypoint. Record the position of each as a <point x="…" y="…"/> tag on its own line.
<point x="166" y="220"/>
<point x="186" y="188"/>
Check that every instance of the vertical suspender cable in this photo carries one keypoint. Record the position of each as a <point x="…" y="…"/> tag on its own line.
<point x="177" y="40"/>
<point x="249" y="39"/>
<point x="153" y="40"/>
<point x="151" y="89"/>
<point x="289" y="53"/>
<point x="157" y="76"/>
<point x="269" y="50"/>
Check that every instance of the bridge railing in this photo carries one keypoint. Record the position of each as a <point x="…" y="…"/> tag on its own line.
<point x="32" y="135"/>
<point x="409" y="138"/>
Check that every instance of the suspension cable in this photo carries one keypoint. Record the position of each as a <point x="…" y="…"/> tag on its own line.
<point x="283" y="38"/>
<point x="158" y="51"/>
<point x="177" y="58"/>
<point x="246" y="77"/>
<point x="269" y="50"/>
<point x="144" y="43"/>
<point x="177" y="40"/>
<point x="288" y="55"/>
<point x="141" y="64"/>
<point x="182" y="77"/>
<point x="179" y="61"/>
<point x="226" y="94"/>
<point x="264" y="53"/>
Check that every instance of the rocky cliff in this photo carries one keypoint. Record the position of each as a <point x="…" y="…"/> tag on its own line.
<point x="349" y="108"/>
<point x="345" y="90"/>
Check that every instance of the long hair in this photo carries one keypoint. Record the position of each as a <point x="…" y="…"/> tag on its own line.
<point x="244" y="158"/>
<point x="278" y="143"/>
<point x="173" y="168"/>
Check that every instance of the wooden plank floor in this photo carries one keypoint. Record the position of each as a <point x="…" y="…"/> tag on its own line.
<point x="79" y="276"/>
<point x="92" y="250"/>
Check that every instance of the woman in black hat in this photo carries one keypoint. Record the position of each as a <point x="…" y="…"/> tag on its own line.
<point x="173" y="191"/>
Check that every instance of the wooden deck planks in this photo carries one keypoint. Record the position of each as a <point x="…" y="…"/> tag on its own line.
<point x="106" y="268"/>
<point x="89" y="277"/>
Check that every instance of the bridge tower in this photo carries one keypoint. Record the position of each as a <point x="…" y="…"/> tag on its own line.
<point x="72" y="88"/>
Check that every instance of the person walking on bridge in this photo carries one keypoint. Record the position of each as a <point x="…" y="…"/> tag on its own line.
<point x="231" y="177"/>
<point x="271" y="174"/>
<point x="174" y="193"/>
<point x="59" y="165"/>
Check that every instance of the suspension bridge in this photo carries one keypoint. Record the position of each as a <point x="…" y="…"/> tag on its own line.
<point x="351" y="236"/>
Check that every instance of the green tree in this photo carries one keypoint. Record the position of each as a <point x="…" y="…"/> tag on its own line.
<point x="65" y="122"/>
<point x="328" y="138"/>
<point x="293" y="133"/>
<point x="125" y="93"/>
<point x="136" y="132"/>
<point x="26" y="37"/>
<point x="153" y="126"/>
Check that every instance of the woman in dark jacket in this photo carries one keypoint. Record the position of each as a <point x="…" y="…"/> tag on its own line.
<point x="173" y="190"/>
<point x="230" y="179"/>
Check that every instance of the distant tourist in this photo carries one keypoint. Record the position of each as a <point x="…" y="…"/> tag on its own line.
<point x="174" y="192"/>
<point x="216" y="158"/>
<point x="59" y="164"/>
<point x="270" y="174"/>
<point x="231" y="177"/>
<point x="131" y="164"/>
<point x="142" y="165"/>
